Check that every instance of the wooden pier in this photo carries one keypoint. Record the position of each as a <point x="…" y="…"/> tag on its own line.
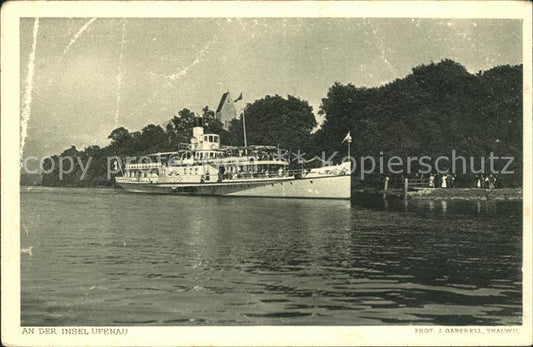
<point x="416" y="189"/>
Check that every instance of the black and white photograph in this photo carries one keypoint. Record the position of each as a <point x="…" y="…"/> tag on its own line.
<point x="266" y="173"/>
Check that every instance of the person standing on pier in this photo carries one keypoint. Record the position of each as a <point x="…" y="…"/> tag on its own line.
<point x="491" y="181"/>
<point x="444" y="181"/>
<point x="486" y="182"/>
<point x="451" y="181"/>
<point x="438" y="180"/>
<point x="497" y="181"/>
<point x="431" y="180"/>
<point x="479" y="181"/>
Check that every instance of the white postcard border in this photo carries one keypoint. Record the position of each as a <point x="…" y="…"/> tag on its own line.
<point x="12" y="332"/>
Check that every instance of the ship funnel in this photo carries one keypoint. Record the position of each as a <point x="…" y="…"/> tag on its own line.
<point x="197" y="130"/>
<point x="198" y="121"/>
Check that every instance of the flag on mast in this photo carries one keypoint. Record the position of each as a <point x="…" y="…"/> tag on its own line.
<point x="239" y="98"/>
<point x="347" y="138"/>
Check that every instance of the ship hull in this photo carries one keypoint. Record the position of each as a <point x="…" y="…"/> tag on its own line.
<point x="328" y="187"/>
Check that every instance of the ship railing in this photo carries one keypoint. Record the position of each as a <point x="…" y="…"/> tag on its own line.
<point x="264" y="175"/>
<point x="250" y="161"/>
<point x="144" y="166"/>
<point x="253" y="175"/>
<point x="299" y="173"/>
<point x="135" y="179"/>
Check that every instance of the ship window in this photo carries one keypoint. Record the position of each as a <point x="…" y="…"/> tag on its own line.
<point x="215" y="139"/>
<point x="206" y="138"/>
<point x="196" y="171"/>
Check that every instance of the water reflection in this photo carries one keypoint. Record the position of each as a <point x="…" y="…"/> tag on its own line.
<point x="444" y="205"/>
<point x="166" y="260"/>
<point x="441" y="207"/>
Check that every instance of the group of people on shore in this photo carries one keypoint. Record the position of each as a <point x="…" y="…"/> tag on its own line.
<point x="441" y="181"/>
<point x="449" y="181"/>
<point x="489" y="181"/>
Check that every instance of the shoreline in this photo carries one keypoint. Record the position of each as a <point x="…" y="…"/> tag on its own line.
<point x="468" y="194"/>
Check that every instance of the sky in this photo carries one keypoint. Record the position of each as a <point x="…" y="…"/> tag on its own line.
<point x="81" y="78"/>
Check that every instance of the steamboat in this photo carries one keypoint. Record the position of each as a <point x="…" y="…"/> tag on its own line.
<point x="205" y="167"/>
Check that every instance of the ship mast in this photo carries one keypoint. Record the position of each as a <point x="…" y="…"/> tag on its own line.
<point x="244" y="132"/>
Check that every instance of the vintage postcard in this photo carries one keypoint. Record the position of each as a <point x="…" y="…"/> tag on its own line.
<point x="242" y="173"/>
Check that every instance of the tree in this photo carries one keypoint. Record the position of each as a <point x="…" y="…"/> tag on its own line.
<point x="234" y="135"/>
<point x="438" y="108"/>
<point x="184" y="122"/>
<point x="274" y="120"/>
<point x="152" y="139"/>
<point x="211" y="123"/>
<point x="435" y="109"/>
<point x="119" y="137"/>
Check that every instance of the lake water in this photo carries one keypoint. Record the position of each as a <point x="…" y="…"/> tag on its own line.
<point x="106" y="257"/>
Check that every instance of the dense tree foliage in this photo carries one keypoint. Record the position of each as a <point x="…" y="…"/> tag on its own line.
<point x="434" y="110"/>
<point x="437" y="108"/>
<point x="151" y="139"/>
<point x="274" y="120"/>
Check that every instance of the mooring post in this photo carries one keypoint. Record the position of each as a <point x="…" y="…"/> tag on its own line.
<point x="385" y="187"/>
<point x="405" y="187"/>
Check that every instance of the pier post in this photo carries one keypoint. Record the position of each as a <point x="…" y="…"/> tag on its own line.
<point x="385" y="187"/>
<point x="405" y="187"/>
